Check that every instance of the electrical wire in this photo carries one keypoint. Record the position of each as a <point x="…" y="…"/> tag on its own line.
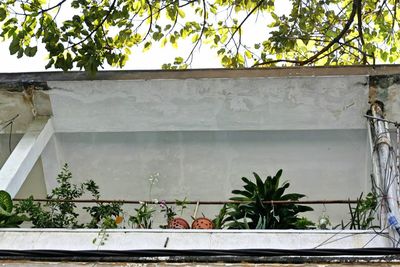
<point x="132" y="254"/>
<point x="389" y="170"/>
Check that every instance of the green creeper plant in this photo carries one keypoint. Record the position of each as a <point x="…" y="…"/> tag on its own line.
<point x="253" y="213"/>
<point x="7" y="217"/>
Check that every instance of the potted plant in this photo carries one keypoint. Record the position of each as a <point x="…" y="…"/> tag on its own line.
<point x="174" y="222"/>
<point x="201" y="222"/>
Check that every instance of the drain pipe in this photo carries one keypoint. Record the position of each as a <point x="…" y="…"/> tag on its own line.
<point x="386" y="173"/>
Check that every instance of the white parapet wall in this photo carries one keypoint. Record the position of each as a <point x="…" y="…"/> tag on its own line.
<point x="120" y="239"/>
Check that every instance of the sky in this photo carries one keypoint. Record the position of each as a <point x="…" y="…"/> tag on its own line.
<point x="153" y="59"/>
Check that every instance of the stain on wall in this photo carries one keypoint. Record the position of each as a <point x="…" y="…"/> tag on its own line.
<point x="386" y="88"/>
<point x="26" y="101"/>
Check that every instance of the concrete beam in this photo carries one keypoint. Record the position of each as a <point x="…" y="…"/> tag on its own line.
<point x="296" y="103"/>
<point x="26" y="153"/>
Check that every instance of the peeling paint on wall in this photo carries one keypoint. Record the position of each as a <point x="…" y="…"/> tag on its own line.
<point x="25" y="100"/>
<point x="386" y="88"/>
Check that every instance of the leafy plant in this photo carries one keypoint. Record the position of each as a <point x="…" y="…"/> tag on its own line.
<point x="362" y="215"/>
<point x="7" y="217"/>
<point x="181" y="204"/>
<point x="324" y="222"/>
<point x="103" y="215"/>
<point x="220" y="219"/>
<point x="108" y="222"/>
<point x="59" y="211"/>
<point x="253" y="213"/>
<point x="169" y="212"/>
<point x="143" y="217"/>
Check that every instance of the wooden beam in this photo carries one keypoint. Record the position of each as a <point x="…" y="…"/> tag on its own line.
<point x="26" y="153"/>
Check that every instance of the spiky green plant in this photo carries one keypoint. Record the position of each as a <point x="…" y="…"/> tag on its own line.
<point x="253" y="213"/>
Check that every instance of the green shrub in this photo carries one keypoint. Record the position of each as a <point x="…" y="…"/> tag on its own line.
<point x="253" y="213"/>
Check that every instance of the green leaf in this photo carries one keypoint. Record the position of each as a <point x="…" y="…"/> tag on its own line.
<point x="181" y="13"/>
<point x="242" y="192"/>
<point x="49" y="64"/>
<point x="3" y="14"/>
<point x="20" y="52"/>
<point x="146" y="46"/>
<point x="14" y="46"/>
<point x="248" y="54"/>
<point x="6" y="204"/>
<point x="30" y="51"/>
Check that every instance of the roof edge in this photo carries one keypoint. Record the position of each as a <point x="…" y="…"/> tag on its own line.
<point x="202" y="73"/>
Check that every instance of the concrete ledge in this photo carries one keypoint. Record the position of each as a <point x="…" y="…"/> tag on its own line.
<point x="136" y="239"/>
<point x="200" y="73"/>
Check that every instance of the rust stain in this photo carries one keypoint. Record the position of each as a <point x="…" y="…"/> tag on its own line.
<point x="27" y="103"/>
<point x="29" y="98"/>
<point x="372" y="95"/>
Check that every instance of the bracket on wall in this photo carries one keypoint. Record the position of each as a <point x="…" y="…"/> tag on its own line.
<point x="21" y="161"/>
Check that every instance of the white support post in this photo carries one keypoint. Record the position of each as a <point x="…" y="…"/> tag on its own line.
<point x="26" y="153"/>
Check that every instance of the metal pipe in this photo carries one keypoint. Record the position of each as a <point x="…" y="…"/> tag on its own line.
<point x="387" y="170"/>
<point x="278" y="202"/>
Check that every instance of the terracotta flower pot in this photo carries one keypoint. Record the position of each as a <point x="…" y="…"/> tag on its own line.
<point x="178" y="223"/>
<point x="202" y="223"/>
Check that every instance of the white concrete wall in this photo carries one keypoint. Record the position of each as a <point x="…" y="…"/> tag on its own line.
<point x="81" y="239"/>
<point x="5" y="145"/>
<point x="203" y="135"/>
<point x="210" y="104"/>
<point x="208" y="165"/>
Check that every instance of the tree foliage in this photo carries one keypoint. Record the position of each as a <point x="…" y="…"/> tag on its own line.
<point x="90" y="33"/>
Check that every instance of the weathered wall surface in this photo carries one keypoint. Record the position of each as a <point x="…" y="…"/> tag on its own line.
<point x="387" y="90"/>
<point x="202" y="135"/>
<point x="7" y="145"/>
<point x="208" y="165"/>
<point x="23" y="102"/>
<point x="295" y="103"/>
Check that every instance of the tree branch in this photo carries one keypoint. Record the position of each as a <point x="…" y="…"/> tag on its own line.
<point x="96" y="28"/>
<point x="356" y="4"/>
<point x="299" y="62"/>
<point x="201" y="33"/>
<point x="151" y="20"/>
<point x="244" y="20"/>
<point x="360" y="31"/>
<point x="59" y="4"/>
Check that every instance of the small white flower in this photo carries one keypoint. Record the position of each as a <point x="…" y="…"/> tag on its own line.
<point x="153" y="178"/>
<point x="155" y="200"/>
